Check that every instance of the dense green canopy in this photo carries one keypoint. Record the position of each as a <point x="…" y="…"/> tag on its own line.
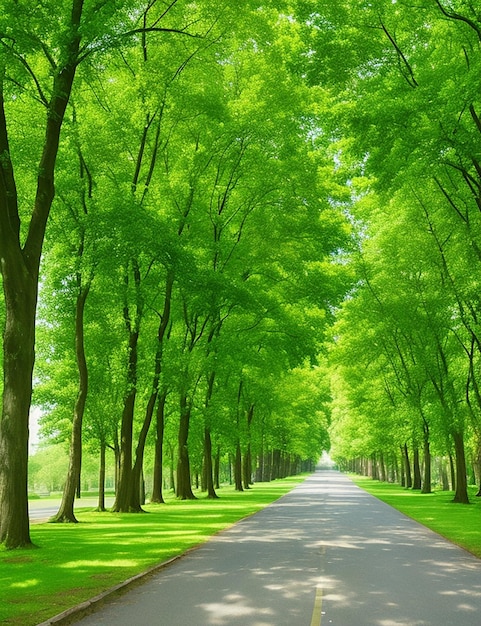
<point x="234" y="235"/>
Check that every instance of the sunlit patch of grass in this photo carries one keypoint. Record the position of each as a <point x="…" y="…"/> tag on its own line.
<point x="75" y="562"/>
<point x="24" y="584"/>
<point x="460" y="523"/>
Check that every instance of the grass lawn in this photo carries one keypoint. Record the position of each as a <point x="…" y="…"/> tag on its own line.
<point x="460" y="523"/>
<point x="74" y="562"/>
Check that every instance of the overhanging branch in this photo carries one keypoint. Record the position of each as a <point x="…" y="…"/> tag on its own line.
<point x="452" y="15"/>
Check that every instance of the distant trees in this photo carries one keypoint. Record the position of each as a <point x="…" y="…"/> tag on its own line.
<point x="407" y="341"/>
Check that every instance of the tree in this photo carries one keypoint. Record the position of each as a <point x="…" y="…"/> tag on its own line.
<point x="21" y="252"/>
<point x="39" y="59"/>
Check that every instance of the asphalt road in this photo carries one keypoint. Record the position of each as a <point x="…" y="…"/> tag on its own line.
<point x="43" y="509"/>
<point x="327" y="553"/>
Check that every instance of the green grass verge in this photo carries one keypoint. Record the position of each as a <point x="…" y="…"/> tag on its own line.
<point x="460" y="523"/>
<point x="74" y="562"/>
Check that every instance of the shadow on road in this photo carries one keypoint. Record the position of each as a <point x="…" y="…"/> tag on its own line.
<point x="326" y="540"/>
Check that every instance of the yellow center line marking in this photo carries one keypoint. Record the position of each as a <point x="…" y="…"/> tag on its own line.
<point x="317" y="612"/>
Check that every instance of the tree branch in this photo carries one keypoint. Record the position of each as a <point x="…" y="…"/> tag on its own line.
<point x="86" y="51"/>
<point x="411" y="80"/>
<point x="460" y="18"/>
<point x="9" y="218"/>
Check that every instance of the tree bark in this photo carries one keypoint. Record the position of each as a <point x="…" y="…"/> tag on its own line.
<point x="135" y="495"/>
<point x="66" y="510"/>
<point x="427" y="463"/>
<point x="238" y="468"/>
<point x="184" y="487"/>
<point x="407" y="467"/>
<point x="416" y="468"/>
<point x="136" y="499"/>
<point x="157" y="495"/>
<point x="382" y="468"/>
<point x="461" y="493"/>
<point x="444" y="474"/>
<point x="217" y="469"/>
<point x="18" y="359"/>
<point x="124" y="484"/>
<point x="477" y="467"/>
<point x="268" y="464"/>
<point x="247" y="464"/>
<point x="123" y="497"/>
<point x="247" y="468"/>
<point x="402" y="469"/>
<point x="101" y="502"/>
<point x="209" y="479"/>
<point x="452" y="471"/>
<point x="276" y="464"/>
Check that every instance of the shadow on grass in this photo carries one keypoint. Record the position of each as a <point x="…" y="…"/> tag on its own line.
<point x="77" y="561"/>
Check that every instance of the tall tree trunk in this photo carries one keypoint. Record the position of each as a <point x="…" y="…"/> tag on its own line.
<point x="136" y="498"/>
<point x="402" y="469"/>
<point x="20" y="269"/>
<point x="157" y="496"/>
<point x="477" y="466"/>
<point x="276" y="464"/>
<point x="160" y="413"/>
<point x="238" y="468"/>
<point x="247" y="465"/>
<point x="124" y="484"/>
<point x="171" y="468"/>
<point x="66" y="512"/>
<point x="184" y="487"/>
<point x="416" y="468"/>
<point x="247" y="468"/>
<point x="122" y="502"/>
<point x="260" y="464"/>
<point x="427" y="461"/>
<point x="382" y="468"/>
<point x="452" y="471"/>
<point x="209" y="479"/>
<point x="101" y="502"/>
<point x="115" y="447"/>
<point x="407" y="466"/>
<point x="268" y="464"/>
<point x="217" y="469"/>
<point x="444" y="474"/>
<point x="461" y="494"/>
<point x="18" y="359"/>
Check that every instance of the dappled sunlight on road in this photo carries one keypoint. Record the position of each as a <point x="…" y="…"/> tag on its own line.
<point x="333" y="560"/>
<point x="327" y="544"/>
<point x="232" y="607"/>
<point x="330" y="556"/>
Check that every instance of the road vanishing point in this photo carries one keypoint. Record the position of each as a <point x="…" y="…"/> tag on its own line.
<point x="325" y="554"/>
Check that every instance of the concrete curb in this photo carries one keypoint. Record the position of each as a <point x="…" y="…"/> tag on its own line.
<point x="88" y="605"/>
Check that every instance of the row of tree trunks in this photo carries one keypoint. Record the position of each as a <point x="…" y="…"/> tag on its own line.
<point x="276" y="464"/>
<point x="418" y="476"/>
<point x="290" y="465"/>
